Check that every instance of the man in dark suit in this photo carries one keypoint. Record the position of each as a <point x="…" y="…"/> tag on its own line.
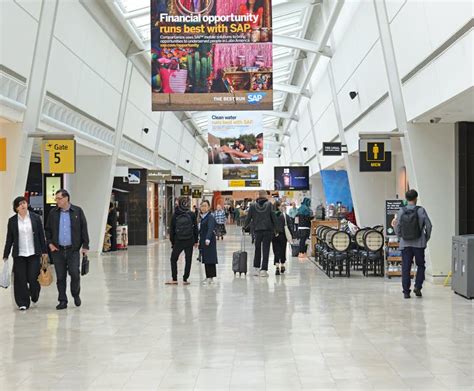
<point x="66" y="233"/>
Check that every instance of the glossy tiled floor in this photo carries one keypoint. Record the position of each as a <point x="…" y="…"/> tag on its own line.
<point x="297" y="331"/>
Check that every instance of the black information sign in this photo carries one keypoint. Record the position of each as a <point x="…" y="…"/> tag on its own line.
<point x="391" y="209"/>
<point x="253" y="183"/>
<point x="332" y="149"/>
<point x="375" y="155"/>
<point x="197" y="193"/>
<point x="174" y="180"/>
<point x="186" y="190"/>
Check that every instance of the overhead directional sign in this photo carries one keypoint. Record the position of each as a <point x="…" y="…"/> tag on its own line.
<point x="375" y="155"/>
<point x="186" y="190"/>
<point x="334" y="149"/>
<point x="174" y="180"/>
<point x="197" y="193"/>
<point x="58" y="157"/>
<point x="244" y="183"/>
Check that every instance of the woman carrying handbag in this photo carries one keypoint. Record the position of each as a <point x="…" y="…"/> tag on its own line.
<point x="25" y="235"/>
<point x="282" y="236"/>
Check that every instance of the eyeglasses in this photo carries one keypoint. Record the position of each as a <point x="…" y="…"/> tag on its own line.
<point x="58" y="198"/>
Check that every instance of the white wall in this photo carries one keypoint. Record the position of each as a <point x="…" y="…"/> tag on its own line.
<point x="17" y="37"/>
<point x="436" y="187"/>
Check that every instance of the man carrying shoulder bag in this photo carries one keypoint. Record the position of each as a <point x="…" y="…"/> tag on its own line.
<point x="413" y="228"/>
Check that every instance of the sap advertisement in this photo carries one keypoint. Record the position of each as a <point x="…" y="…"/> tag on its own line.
<point x="235" y="138"/>
<point x="211" y="55"/>
<point x="292" y="178"/>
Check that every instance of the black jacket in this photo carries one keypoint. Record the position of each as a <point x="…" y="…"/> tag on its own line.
<point x="79" y="234"/>
<point x="13" y="236"/>
<point x="206" y="232"/>
<point x="281" y="223"/>
<point x="191" y="214"/>
<point x="261" y="217"/>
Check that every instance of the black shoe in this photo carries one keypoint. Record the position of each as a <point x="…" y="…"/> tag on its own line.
<point x="277" y="271"/>
<point x="282" y="269"/>
<point x="77" y="301"/>
<point x="62" y="305"/>
<point x="406" y="295"/>
<point x="417" y="292"/>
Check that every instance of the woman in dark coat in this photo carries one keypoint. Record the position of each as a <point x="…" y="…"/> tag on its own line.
<point x="25" y="235"/>
<point x="207" y="242"/>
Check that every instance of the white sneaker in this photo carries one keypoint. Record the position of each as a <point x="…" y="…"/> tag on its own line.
<point x="22" y="308"/>
<point x="263" y="273"/>
<point x="256" y="271"/>
<point x="205" y="281"/>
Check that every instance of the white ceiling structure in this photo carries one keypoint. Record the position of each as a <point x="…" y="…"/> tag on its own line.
<point x="290" y="25"/>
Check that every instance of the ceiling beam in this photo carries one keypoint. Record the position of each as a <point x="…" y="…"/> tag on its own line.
<point x="137" y="13"/>
<point x="291" y="89"/>
<point x="281" y="114"/>
<point x="301" y="44"/>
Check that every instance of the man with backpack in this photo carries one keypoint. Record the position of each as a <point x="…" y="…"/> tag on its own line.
<point x="183" y="236"/>
<point x="413" y="228"/>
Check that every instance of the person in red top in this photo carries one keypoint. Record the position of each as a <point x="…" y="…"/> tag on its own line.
<point x="254" y="7"/>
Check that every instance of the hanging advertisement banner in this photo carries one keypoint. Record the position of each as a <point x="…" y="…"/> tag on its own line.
<point x="235" y="138"/>
<point x="239" y="172"/>
<point x="211" y="55"/>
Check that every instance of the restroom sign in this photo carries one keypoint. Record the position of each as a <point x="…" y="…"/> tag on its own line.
<point x="375" y="155"/>
<point x="58" y="157"/>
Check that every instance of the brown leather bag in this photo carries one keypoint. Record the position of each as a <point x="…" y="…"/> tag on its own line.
<point x="45" y="277"/>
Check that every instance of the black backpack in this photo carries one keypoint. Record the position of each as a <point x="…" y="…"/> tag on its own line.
<point x="184" y="227"/>
<point x="409" y="224"/>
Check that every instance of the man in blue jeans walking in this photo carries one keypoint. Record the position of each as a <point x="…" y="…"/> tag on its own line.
<point x="413" y="228"/>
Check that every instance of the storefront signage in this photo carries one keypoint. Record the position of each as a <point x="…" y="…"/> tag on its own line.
<point x="375" y="155"/>
<point x="134" y="177"/>
<point x="334" y="149"/>
<point x="243" y="183"/>
<point x="174" y="180"/>
<point x="197" y="193"/>
<point x="58" y="157"/>
<point x="186" y="190"/>
<point x="158" y="175"/>
<point x="391" y="209"/>
<point x="211" y="55"/>
<point x="3" y="154"/>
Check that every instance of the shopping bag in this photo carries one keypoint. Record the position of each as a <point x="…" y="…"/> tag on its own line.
<point x="5" y="276"/>
<point x="84" y="265"/>
<point x="45" y="277"/>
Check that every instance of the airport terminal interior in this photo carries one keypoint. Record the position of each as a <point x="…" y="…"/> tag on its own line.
<point x="237" y="195"/>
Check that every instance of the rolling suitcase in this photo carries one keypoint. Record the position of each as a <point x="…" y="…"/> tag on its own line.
<point x="239" y="259"/>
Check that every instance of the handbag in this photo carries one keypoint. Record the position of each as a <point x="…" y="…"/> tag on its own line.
<point x="288" y="234"/>
<point x="5" y="276"/>
<point x="45" y="277"/>
<point x="84" y="265"/>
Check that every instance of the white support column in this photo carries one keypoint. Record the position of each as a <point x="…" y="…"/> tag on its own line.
<point x="19" y="145"/>
<point x="36" y="88"/>
<point x="422" y="146"/>
<point x="91" y="186"/>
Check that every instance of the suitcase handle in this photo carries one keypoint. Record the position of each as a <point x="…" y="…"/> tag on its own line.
<point x="242" y="241"/>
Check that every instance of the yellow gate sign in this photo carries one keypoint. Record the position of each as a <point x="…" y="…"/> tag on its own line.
<point x="58" y="157"/>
